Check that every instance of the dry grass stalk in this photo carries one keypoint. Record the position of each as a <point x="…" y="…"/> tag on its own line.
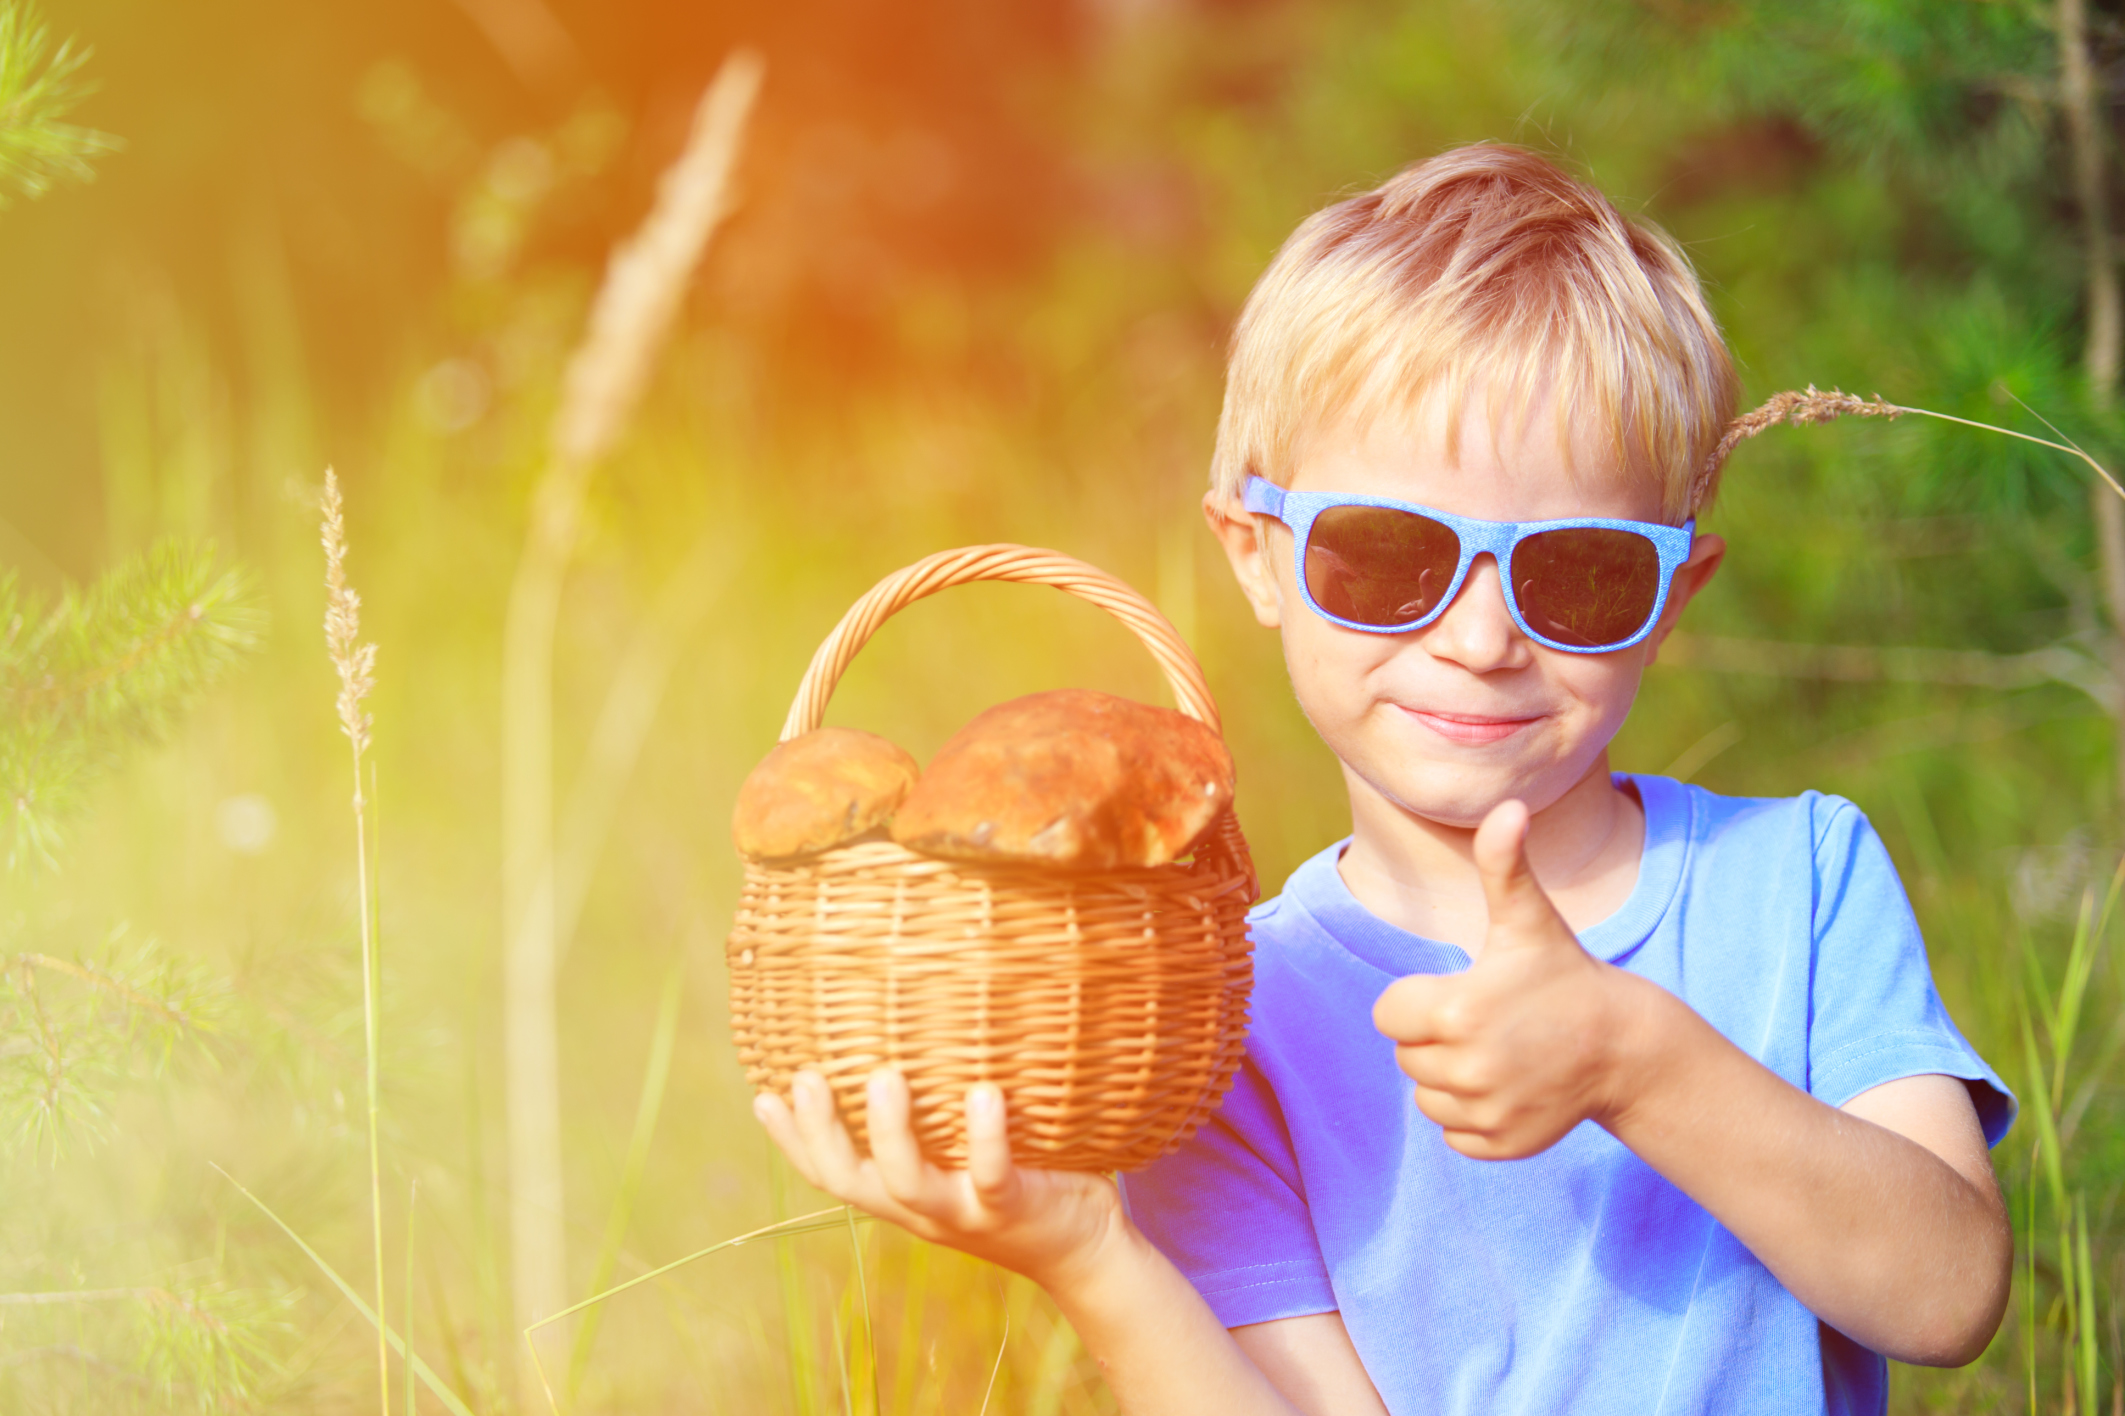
<point x="643" y="288"/>
<point x="646" y="279"/>
<point x="356" y="664"/>
<point x="1810" y="405"/>
<point x="1813" y="405"/>
<point x="830" y="1218"/>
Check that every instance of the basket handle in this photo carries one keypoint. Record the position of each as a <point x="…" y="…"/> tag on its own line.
<point x="1027" y="565"/>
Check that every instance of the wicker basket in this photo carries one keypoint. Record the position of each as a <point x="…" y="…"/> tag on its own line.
<point x="1111" y="1006"/>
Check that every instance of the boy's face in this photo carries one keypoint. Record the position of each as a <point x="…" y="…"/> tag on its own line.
<point x="1451" y="719"/>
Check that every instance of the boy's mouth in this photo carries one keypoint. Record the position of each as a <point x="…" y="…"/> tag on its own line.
<point x="1470" y="727"/>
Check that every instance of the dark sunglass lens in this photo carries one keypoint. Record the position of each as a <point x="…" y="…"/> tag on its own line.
<point x="1378" y="566"/>
<point x="1587" y="587"/>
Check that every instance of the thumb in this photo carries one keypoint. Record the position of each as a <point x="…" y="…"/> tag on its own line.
<point x="1521" y="914"/>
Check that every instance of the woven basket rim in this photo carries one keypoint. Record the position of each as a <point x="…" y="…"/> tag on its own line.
<point x="1000" y="561"/>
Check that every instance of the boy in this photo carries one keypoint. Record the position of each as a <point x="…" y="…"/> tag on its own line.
<point x="1786" y="1173"/>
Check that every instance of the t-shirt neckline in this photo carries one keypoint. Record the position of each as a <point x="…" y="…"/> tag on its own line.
<point x="1318" y="888"/>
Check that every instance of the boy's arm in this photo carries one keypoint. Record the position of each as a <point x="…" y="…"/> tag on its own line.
<point x="1883" y="1218"/>
<point x="1159" y="1346"/>
<point x="1313" y="1362"/>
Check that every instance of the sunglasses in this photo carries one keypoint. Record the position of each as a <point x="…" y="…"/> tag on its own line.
<point x="1586" y="585"/>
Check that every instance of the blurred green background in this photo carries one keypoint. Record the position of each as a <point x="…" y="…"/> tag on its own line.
<point x="976" y="289"/>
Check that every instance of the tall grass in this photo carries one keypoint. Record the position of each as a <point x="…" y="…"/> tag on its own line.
<point x="644" y="284"/>
<point x="355" y="663"/>
<point x="2059" y="1096"/>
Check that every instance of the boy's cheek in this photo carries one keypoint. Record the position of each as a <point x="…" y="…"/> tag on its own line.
<point x="1331" y="692"/>
<point x="1336" y="677"/>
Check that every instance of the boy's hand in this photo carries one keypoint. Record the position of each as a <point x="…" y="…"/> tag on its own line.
<point x="1526" y="1044"/>
<point x="1045" y="1224"/>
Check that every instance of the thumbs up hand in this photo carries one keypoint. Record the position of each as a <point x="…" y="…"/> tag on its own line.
<point x="1532" y="1038"/>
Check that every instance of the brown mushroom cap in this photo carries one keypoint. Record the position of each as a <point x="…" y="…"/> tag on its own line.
<point x="817" y="791"/>
<point x="1071" y="779"/>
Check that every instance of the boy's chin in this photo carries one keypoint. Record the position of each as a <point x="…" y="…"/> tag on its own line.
<point x="1459" y="796"/>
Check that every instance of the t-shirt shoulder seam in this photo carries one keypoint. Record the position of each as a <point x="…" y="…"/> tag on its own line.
<point x="1272" y="1264"/>
<point x="1206" y="1285"/>
<point x="1827" y="820"/>
<point x="1902" y="1039"/>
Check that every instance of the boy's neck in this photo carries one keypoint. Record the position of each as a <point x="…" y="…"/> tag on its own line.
<point x="1420" y="875"/>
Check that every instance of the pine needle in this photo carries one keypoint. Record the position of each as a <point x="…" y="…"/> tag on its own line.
<point x="105" y="668"/>
<point x="38" y="85"/>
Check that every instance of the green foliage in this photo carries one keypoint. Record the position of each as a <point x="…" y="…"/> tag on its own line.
<point x="2063" y="1076"/>
<point x="38" y="87"/>
<point x="1948" y="110"/>
<point x="1889" y="81"/>
<point x="100" y="1049"/>
<point x="73" y="1031"/>
<point x="197" y="1346"/>
<point x="100" y="670"/>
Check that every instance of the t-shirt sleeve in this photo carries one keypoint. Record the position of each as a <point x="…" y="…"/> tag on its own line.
<point x="1876" y="1015"/>
<point x="1228" y="1209"/>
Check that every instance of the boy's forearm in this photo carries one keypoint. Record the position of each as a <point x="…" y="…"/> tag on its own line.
<point x="1877" y="1235"/>
<point x="1159" y="1346"/>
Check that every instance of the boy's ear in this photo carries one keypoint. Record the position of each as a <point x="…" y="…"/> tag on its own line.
<point x="1706" y="554"/>
<point x="1240" y="533"/>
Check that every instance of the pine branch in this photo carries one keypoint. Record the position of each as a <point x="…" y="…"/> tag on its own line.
<point x="101" y="670"/>
<point x="38" y="86"/>
<point x="198" y="1345"/>
<point x="75" y="1032"/>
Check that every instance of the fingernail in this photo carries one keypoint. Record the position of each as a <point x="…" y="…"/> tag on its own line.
<point x="761" y="1108"/>
<point x="984" y="1103"/>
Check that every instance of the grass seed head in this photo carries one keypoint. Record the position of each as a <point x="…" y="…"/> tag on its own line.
<point x="1797" y="406"/>
<point x="355" y="662"/>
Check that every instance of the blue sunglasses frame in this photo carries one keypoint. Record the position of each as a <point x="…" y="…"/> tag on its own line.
<point x="1298" y="510"/>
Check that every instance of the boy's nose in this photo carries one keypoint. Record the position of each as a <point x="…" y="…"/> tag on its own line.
<point x="1477" y="631"/>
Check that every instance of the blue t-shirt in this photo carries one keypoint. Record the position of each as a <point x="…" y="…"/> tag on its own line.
<point x="1578" y="1280"/>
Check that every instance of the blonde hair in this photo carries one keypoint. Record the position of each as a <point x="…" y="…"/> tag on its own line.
<point x="1484" y="265"/>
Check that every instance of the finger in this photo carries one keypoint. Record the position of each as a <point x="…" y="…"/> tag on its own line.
<point x="825" y="1137"/>
<point x="1460" y="1114"/>
<point x="989" y="1167"/>
<point x="774" y="1113"/>
<point x="1450" y="1112"/>
<point x="1500" y="1142"/>
<point x="1520" y="913"/>
<point x="864" y="1189"/>
<point x="1414" y="1010"/>
<point x="1429" y="1065"/>
<point x="901" y="1168"/>
<point x="1477" y="1145"/>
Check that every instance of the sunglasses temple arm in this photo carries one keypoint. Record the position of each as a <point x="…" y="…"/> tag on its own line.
<point x="1263" y="495"/>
